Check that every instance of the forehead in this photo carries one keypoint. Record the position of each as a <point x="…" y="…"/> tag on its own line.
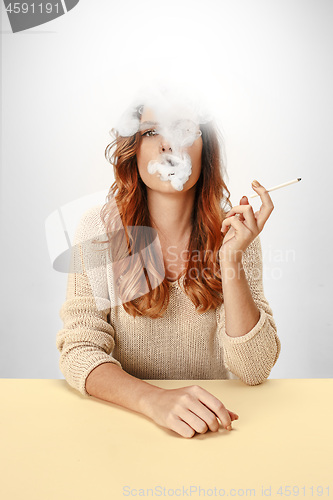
<point x="148" y="115"/>
<point x="170" y="119"/>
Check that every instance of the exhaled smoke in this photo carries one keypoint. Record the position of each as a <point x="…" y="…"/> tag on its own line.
<point x="177" y="119"/>
<point x="172" y="168"/>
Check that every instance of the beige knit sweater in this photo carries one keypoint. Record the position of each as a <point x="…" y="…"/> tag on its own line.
<point x="181" y="345"/>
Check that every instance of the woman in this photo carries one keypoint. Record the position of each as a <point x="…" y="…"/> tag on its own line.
<point x="208" y="318"/>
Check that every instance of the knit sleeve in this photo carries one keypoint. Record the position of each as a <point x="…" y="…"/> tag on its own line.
<point x="87" y="337"/>
<point x="252" y="356"/>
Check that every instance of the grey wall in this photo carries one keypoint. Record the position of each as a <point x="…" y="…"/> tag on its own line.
<point x="267" y="66"/>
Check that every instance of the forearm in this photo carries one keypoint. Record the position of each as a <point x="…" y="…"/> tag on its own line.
<point x="241" y="312"/>
<point x="111" y="383"/>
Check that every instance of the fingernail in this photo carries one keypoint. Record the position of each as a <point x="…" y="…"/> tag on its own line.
<point x="255" y="183"/>
<point x="244" y="198"/>
<point x="229" y="428"/>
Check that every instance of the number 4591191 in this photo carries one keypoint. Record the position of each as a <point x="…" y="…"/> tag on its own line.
<point x="17" y="8"/>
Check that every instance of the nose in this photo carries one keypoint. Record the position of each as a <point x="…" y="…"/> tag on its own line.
<point x="165" y="146"/>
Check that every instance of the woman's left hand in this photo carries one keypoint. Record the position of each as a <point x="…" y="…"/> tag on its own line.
<point x="245" y="228"/>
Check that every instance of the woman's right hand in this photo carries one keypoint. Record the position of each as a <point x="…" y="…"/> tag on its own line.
<point x="187" y="410"/>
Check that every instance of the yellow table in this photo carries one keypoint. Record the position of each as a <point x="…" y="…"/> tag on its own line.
<point x="59" y="445"/>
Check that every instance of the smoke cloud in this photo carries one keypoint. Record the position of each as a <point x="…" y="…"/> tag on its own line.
<point x="178" y="117"/>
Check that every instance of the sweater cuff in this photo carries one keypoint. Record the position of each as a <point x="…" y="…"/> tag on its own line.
<point x="227" y="339"/>
<point x="251" y="356"/>
<point x="82" y="381"/>
<point x="76" y="376"/>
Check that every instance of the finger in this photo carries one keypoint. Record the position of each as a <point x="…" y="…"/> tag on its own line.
<point x="206" y="415"/>
<point x="235" y="223"/>
<point x="266" y="207"/>
<point x="223" y="414"/>
<point x="233" y="417"/>
<point x="214" y="405"/>
<point x="195" y="422"/>
<point x="233" y="414"/>
<point x="182" y="428"/>
<point x="230" y="232"/>
<point x="238" y="210"/>
<point x="248" y="216"/>
<point x="243" y="201"/>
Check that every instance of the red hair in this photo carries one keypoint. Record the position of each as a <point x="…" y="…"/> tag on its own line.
<point x="212" y="201"/>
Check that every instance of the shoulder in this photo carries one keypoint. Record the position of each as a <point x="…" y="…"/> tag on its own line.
<point x="92" y="215"/>
<point x="98" y="220"/>
<point x="90" y="224"/>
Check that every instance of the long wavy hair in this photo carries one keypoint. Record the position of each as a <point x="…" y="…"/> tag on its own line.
<point x="127" y="198"/>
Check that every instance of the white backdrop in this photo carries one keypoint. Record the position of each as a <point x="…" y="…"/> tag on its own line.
<point x="267" y="66"/>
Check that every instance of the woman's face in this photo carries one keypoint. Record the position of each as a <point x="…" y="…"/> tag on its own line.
<point x="154" y="147"/>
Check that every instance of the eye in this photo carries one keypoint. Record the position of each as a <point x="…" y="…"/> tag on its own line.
<point x="150" y="133"/>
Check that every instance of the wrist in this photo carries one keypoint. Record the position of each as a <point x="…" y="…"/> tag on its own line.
<point x="148" y="398"/>
<point x="230" y="258"/>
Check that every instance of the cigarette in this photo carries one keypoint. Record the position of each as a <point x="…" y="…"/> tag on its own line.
<point x="279" y="186"/>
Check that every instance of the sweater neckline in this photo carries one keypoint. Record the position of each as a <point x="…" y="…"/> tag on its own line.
<point x="175" y="283"/>
<point x="172" y="283"/>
